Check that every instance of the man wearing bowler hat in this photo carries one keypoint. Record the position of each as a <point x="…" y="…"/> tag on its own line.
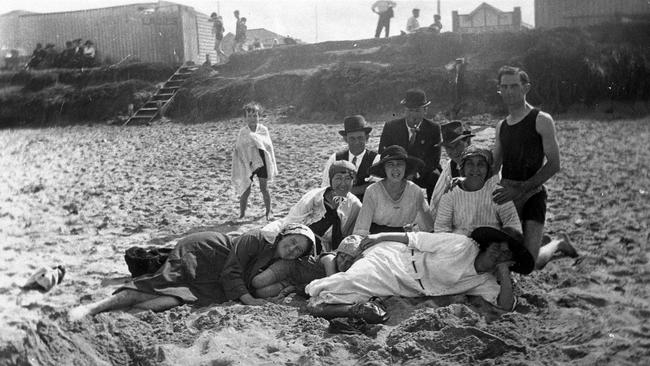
<point x="418" y="135"/>
<point x="356" y="132"/>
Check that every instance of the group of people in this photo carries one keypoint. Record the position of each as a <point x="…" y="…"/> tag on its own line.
<point x="391" y="223"/>
<point x="384" y="9"/>
<point x="75" y="55"/>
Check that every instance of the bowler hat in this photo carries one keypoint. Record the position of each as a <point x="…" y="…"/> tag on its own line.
<point x="415" y="98"/>
<point x="452" y="132"/>
<point x="353" y="124"/>
<point x="485" y="235"/>
<point x="395" y="152"/>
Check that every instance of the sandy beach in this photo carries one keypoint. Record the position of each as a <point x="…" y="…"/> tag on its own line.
<point x="79" y="196"/>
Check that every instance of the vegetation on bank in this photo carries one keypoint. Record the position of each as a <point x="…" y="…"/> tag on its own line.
<point x="589" y="67"/>
<point x="46" y="97"/>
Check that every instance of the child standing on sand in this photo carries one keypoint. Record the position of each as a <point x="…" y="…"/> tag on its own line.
<point x="253" y="156"/>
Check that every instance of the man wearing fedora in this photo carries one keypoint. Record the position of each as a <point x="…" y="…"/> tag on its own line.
<point x="418" y="135"/>
<point x="356" y="132"/>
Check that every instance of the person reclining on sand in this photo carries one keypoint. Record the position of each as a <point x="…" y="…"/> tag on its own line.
<point x="330" y="212"/>
<point x="208" y="268"/>
<point x="430" y="264"/>
<point x="293" y="276"/>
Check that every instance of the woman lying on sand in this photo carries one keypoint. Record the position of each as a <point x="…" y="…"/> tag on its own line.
<point x="394" y="201"/>
<point x="417" y="264"/>
<point x="329" y="212"/>
<point x="207" y="268"/>
<point x="292" y="276"/>
<point x="253" y="155"/>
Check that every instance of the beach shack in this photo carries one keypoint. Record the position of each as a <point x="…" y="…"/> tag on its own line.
<point x="150" y="32"/>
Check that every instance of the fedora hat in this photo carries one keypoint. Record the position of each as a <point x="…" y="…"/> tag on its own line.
<point x="452" y="132"/>
<point x="395" y="152"/>
<point x="353" y="124"/>
<point x="485" y="235"/>
<point x="415" y="98"/>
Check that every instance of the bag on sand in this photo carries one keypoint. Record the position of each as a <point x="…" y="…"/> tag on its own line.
<point x="145" y="260"/>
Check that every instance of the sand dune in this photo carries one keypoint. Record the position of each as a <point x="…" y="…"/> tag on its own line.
<point x="79" y="196"/>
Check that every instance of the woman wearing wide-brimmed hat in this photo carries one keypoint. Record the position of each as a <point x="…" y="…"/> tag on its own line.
<point x="394" y="201"/>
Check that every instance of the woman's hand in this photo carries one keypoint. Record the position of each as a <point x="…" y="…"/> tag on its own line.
<point x="503" y="270"/>
<point x="368" y="242"/>
<point x="283" y="293"/>
<point x="248" y="299"/>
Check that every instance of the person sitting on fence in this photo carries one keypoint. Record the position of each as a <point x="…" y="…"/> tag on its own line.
<point x="38" y="55"/>
<point x="66" y="56"/>
<point x="89" y="53"/>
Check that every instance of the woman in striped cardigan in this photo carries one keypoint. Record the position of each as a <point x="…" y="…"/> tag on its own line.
<point x="470" y="205"/>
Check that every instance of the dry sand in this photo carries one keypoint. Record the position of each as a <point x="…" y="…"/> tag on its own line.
<point x="79" y="196"/>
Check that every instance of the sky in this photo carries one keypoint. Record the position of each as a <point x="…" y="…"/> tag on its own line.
<point x="308" y="20"/>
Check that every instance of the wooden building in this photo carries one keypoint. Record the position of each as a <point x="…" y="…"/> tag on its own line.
<point x="151" y="32"/>
<point x="487" y="18"/>
<point x="577" y="13"/>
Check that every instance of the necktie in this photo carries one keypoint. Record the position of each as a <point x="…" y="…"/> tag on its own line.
<point x="354" y="161"/>
<point x="414" y="132"/>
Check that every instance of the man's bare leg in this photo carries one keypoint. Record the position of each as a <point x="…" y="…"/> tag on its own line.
<point x="547" y="251"/>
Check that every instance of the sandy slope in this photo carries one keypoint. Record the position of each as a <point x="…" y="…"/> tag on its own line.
<point x="80" y="196"/>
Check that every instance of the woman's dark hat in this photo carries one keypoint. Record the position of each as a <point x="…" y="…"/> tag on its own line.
<point x="452" y="132"/>
<point x="354" y="124"/>
<point x="485" y="235"/>
<point x="395" y="152"/>
<point x="415" y="98"/>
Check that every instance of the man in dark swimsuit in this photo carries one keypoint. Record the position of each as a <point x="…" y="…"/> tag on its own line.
<point x="527" y="151"/>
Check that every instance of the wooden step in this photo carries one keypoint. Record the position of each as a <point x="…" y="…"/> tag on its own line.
<point x="171" y="90"/>
<point x="164" y="97"/>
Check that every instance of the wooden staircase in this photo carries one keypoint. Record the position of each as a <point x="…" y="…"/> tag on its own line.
<point x="158" y="103"/>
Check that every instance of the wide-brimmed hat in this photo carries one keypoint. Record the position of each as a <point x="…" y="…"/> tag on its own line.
<point x="485" y="235"/>
<point x="354" y="124"/>
<point x="415" y="98"/>
<point x="395" y="152"/>
<point x="452" y="132"/>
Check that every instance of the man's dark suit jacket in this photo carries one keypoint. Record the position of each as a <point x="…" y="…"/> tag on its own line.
<point x="396" y="133"/>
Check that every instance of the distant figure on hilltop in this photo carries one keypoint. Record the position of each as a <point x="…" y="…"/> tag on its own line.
<point x="218" y="30"/>
<point x="383" y="8"/>
<point x="240" y="33"/>
<point x="412" y="25"/>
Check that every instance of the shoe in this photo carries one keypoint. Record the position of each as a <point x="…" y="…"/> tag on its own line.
<point x="373" y="311"/>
